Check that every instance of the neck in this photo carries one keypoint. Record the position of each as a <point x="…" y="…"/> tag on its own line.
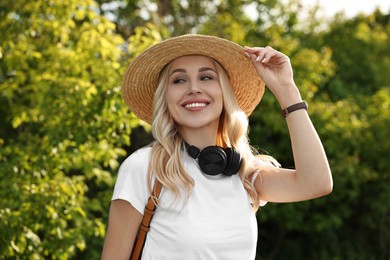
<point x="200" y="138"/>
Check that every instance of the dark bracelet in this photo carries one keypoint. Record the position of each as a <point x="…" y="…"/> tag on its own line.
<point x="297" y="106"/>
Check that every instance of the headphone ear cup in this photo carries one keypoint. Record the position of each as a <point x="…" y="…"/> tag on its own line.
<point x="212" y="160"/>
<point x="233" y="162"/>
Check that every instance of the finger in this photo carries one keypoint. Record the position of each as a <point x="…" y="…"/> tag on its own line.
<point x="266" y="54"/>
<point x="262" y="53"/>
<point x="253" y="56"/>
<point x="258" y="51"/>
<point x="253" y="50"/>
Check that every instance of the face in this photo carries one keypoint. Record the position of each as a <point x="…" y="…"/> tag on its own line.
<point x="194" y="95"/>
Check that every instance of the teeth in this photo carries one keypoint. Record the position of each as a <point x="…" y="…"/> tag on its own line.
<point x="191" y="105"/>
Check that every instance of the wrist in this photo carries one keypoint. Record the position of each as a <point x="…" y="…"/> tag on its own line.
<point x="289" y="100"/>
<point x="295" y="107"/>
<point x="289" y="96"/>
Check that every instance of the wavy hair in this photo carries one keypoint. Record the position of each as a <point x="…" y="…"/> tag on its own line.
<point x="165" y="162"/>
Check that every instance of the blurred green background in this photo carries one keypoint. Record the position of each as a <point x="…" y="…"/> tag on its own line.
<point x="64" y="128"/>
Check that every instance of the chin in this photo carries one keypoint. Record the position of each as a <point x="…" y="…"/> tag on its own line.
<point x="198" y="124"/>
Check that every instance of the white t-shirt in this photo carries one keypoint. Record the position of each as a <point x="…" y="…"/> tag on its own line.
<point x="216" y="222"/>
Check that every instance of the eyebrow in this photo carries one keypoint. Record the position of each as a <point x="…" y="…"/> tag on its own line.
<point x="205" y="69"/>
<point x="178" y="70"/>
<point x="202" y="69"/>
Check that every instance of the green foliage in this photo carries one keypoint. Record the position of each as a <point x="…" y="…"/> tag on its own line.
<point x="361" y="51"/>
<point x="350" y="109"/>
<point x="65" y="129"/>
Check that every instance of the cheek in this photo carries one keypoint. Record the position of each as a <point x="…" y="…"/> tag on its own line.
<point x="171" y="108"/>
<point x="171" y="98"/>
<point x="219" y="98"/>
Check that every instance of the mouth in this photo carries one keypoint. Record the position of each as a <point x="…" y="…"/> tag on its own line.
<point x="196" y="105"/>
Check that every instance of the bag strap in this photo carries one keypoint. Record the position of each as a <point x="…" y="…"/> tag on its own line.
<point x="145" y="224"/>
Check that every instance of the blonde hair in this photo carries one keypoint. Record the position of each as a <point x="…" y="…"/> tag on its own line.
<point x="165" y="163"/>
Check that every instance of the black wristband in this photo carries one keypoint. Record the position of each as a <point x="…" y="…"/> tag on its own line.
<point x="297" y="106"/>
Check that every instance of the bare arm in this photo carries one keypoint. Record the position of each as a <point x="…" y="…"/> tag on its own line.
<point x="311" y="177"/>
<point x="123" y="223"/>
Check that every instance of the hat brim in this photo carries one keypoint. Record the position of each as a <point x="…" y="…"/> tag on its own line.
<point x="141" y="78"/>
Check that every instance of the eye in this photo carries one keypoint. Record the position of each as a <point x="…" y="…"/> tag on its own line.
<point x="206" y="77"/>
<point x="178" y="80"/>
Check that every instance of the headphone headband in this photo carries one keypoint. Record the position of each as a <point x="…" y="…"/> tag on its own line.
<point x="193" y="151"/>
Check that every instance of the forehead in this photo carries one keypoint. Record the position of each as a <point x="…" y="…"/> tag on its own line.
<point x="192" y="60"/>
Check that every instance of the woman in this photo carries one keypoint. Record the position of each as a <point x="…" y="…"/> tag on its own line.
<point x="197" y="92"/>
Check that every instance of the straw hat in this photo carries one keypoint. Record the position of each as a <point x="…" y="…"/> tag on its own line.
<point x="141" y="78"/>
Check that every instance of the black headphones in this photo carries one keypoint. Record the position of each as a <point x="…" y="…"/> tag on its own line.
<point x="214" y="160"/>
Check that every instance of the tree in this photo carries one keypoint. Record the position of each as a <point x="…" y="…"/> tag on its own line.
<point x="64" y="126"/>
<point x="360" y="91"/>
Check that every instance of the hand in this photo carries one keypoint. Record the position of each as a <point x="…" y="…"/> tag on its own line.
<point x="275" y="70"/>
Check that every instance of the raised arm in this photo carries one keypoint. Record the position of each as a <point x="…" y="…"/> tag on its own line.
<point x="312" y="177"/>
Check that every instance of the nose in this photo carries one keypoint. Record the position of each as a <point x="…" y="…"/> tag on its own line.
<point x="194" y="88"/>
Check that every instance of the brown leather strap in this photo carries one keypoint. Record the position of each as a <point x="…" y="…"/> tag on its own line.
<point x="145" y="224"/>
<point x="297" y="106"/>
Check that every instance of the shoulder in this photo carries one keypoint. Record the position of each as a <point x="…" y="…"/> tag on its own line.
<point x="138" y="159"/>
<point x="132" y="180"/>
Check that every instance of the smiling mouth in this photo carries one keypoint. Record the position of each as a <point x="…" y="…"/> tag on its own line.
<point x="195" y="105"/>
